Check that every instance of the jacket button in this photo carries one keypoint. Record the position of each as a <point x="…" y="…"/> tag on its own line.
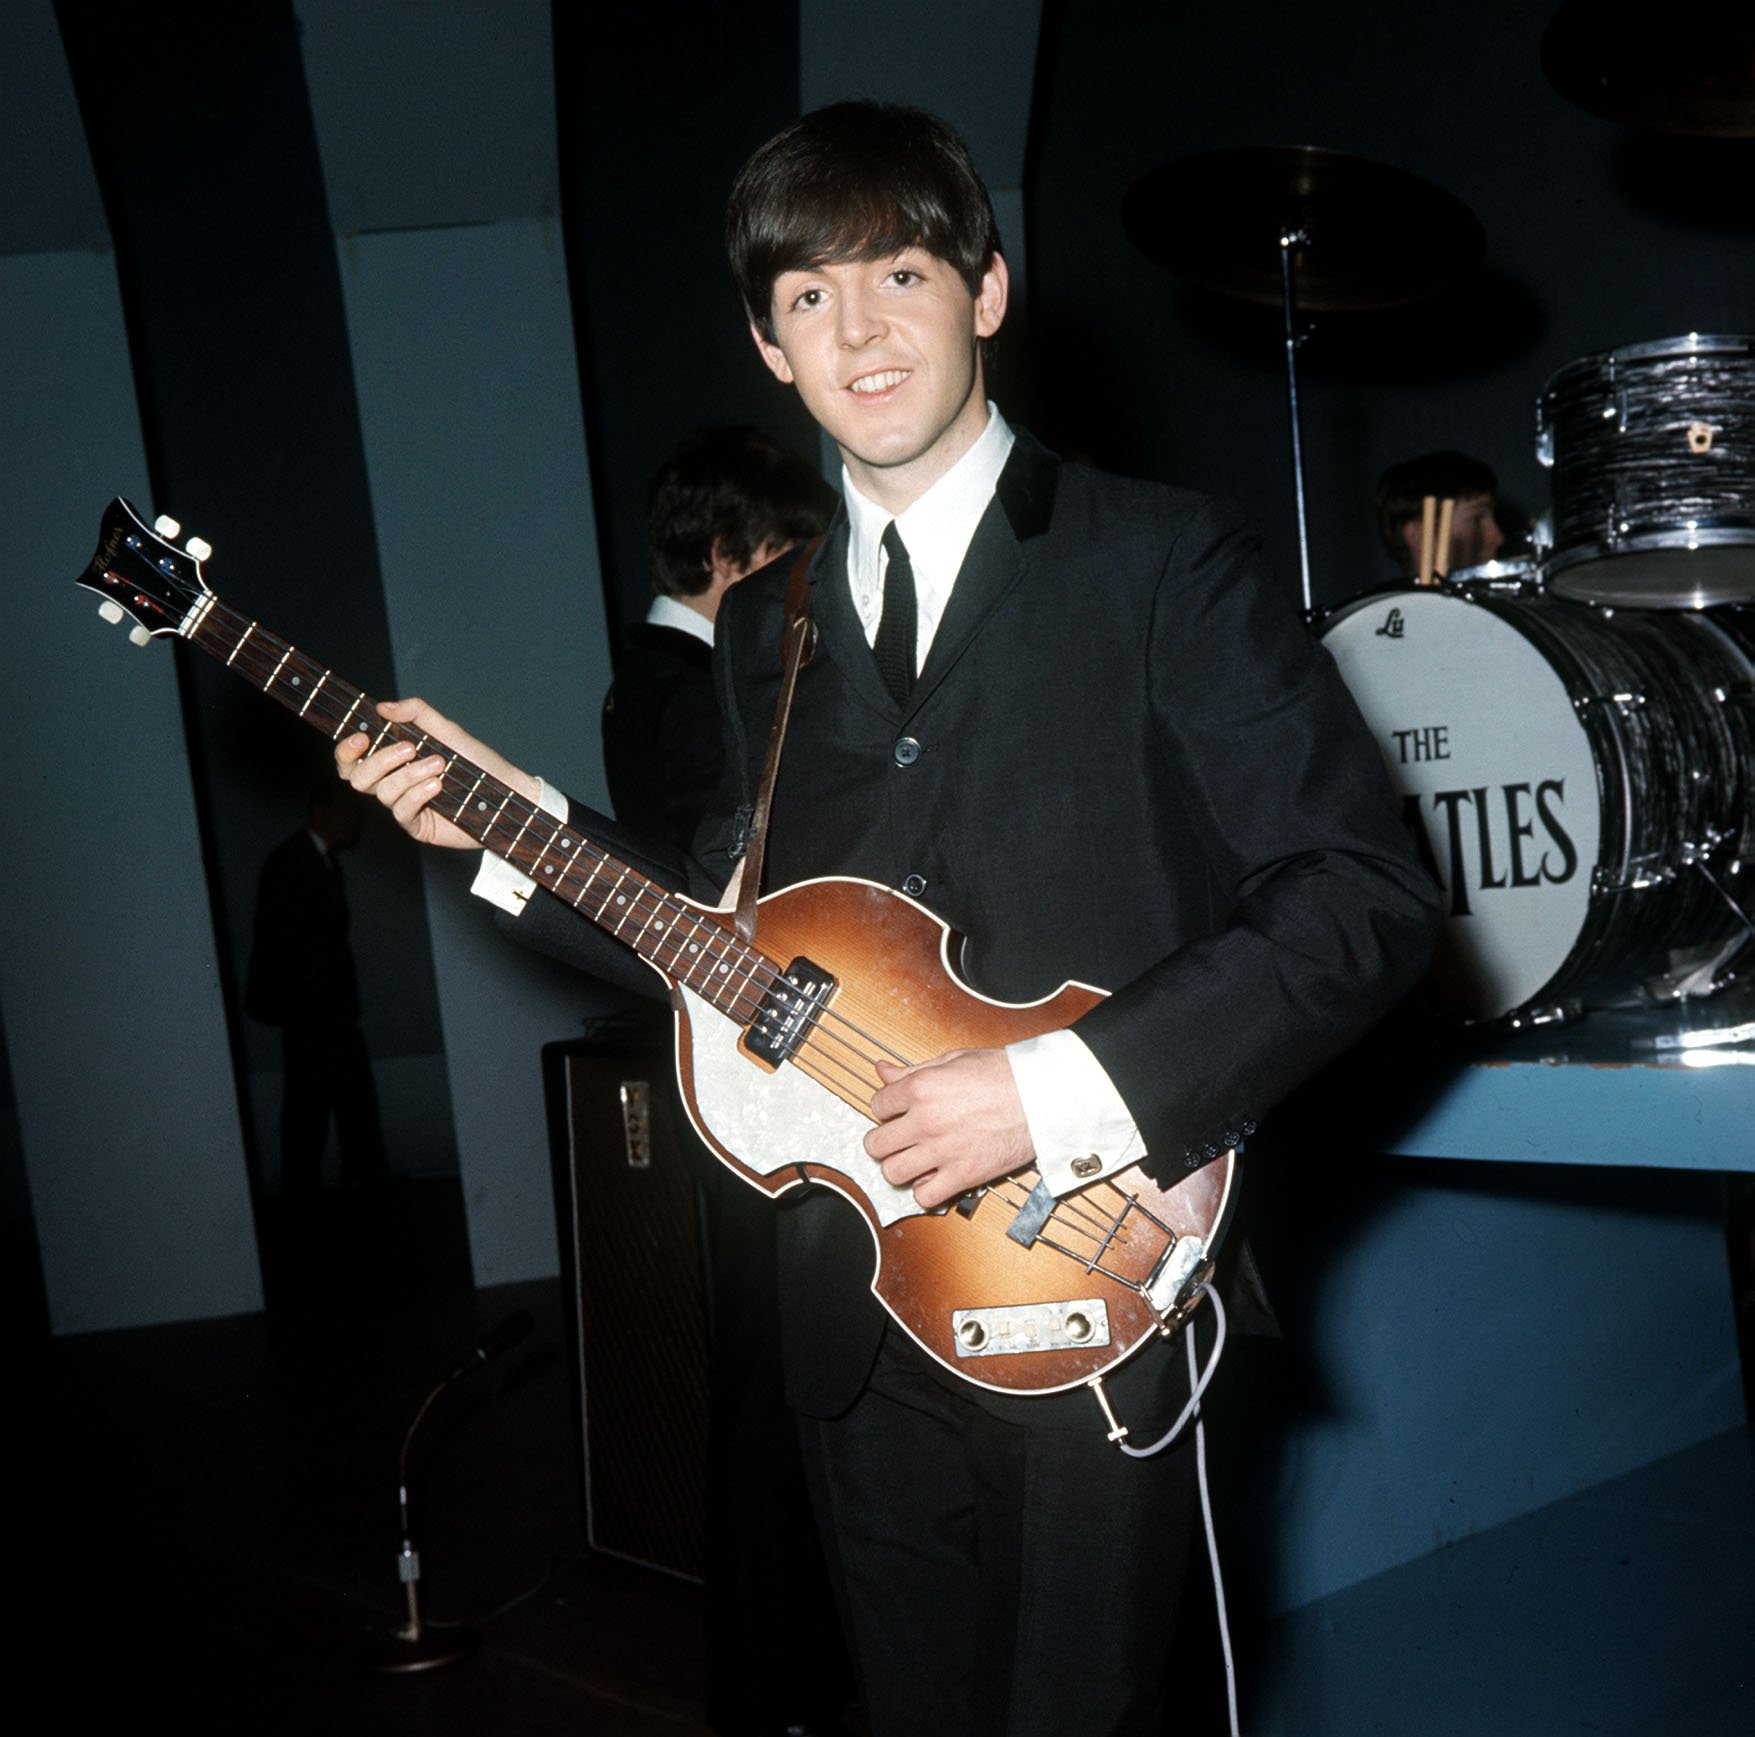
<point x="906" y="750"/>
<point x="1089" y="1165"/>
<point x="914" y="886"/>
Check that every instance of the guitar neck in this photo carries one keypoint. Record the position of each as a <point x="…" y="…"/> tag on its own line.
<point x="685" y="944"/>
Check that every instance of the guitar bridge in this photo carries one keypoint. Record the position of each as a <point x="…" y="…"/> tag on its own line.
<point x="788" y="1012"/>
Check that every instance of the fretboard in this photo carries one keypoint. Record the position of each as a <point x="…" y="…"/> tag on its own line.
<point x="687" y="945"/>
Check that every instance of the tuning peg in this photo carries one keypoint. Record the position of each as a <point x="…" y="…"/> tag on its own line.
<point x="167" y="527"/>
<point x="112" y="611"/>
<point x="140" y="637"/>
<point x="200" y="548"/>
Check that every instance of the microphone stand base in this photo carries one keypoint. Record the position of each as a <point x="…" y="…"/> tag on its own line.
<point x="425" y="1650"/>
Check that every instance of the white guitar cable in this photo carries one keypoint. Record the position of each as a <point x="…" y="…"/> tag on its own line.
<point x="1198" y="1379"/>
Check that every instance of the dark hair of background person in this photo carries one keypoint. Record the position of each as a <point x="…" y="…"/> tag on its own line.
<point x="856" y="181"/>
<point x="733" y="487"/>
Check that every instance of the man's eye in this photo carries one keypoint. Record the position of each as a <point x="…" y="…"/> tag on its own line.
<point x="904" y="275"/>
<point x="807" y="298"/>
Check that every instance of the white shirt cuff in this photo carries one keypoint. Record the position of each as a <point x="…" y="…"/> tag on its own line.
<point x="1079" y="1126"/>
<point x="507" y="888"/>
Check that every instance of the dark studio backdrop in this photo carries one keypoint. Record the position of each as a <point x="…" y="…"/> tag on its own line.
<point x="400" y="307"/>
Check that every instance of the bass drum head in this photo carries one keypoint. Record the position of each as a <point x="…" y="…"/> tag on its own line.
<point x="1497" y="780"/>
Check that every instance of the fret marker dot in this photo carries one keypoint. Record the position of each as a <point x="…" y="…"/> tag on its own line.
<point x="621" y="898"/>
<point x="549" y="869"/>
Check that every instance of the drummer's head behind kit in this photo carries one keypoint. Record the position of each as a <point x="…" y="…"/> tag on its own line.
<point x="1572" y="736"/>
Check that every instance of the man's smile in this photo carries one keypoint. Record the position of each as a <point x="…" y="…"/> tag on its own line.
<point x="881" y="381"/>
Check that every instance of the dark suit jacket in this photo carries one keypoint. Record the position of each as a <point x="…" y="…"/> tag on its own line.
<point x="1126" y="761"/>
<point x="661" y="734"/>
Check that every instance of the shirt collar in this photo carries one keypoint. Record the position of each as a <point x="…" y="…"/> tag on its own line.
<point x="936" y="529"/>
<point x="673" y="612"/>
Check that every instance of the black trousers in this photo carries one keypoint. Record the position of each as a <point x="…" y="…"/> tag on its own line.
<point x="996" y="1577"/>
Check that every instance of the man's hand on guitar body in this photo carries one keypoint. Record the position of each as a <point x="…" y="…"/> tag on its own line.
<point x="405" y="782"/>
<point x="949" y="1125"/>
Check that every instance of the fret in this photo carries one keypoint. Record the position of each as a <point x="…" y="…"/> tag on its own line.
<point x="240" y="645"/>
<point x="274" y="674"/>
<point x="314" y="693"/>
<point x="389" y="729"/>
<point x="518" y="836"/>
<point x="340" y="729"/>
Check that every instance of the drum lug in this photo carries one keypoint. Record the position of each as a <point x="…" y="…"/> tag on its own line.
<point x="1554" y="1013"/>
<point x="1642" y="879"/>
<point x="1627" y="702"/>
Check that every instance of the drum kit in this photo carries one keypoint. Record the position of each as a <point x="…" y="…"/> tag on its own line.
<point x="1571" y="733"/>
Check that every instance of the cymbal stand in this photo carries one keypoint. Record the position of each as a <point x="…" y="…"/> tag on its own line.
<point x="1290" y="241"/>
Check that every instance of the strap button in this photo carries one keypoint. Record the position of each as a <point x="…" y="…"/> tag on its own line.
<point x="914" y="886"/>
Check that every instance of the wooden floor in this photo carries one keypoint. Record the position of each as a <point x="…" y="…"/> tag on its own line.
<point x="210" y="1522"/>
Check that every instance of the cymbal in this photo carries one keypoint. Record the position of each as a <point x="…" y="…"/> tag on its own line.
<point x="1665" y="69"/>
<point x="1376" y="236"/>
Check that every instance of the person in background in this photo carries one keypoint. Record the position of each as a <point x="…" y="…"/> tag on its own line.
<point x="1476" y="535"/>
<point x="727" y="501"/>
<point x="301" y="978"/>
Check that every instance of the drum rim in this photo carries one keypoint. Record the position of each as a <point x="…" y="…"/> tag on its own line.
<point x="1703" y="534"/>
<point x="1684" y="344"/>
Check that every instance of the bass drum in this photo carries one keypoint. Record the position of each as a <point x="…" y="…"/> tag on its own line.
<point x="1651" y="450"/>
<point x="1581" y="783"/>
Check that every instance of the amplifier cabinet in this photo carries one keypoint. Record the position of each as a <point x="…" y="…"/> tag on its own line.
<point x="628" y="1215"/>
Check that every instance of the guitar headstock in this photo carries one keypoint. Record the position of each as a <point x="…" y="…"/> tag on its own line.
<point x="142" y="574"/>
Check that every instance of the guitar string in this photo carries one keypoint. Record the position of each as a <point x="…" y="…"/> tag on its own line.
<point x="1068" y="1212"/>
<point x="647" y="901"/>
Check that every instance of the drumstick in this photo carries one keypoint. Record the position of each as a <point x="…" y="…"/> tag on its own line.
<point x="1428" y="507"/>
<point x="1441" y="560"/>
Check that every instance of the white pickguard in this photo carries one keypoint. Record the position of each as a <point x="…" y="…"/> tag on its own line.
<point x="774" y="1120"/>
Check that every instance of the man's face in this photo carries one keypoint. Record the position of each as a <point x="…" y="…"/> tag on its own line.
<point x="886" y="355"/>
<point x="1475" y="536"/>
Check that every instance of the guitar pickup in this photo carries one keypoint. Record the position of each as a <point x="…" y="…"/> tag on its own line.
<point x="789" y="1010"/>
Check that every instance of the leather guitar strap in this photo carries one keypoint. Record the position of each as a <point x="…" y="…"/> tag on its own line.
<point x="798" y="640"/>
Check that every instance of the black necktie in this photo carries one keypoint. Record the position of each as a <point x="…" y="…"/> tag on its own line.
<point x="894" y="646"/>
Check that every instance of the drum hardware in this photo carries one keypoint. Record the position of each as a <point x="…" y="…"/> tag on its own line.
<point x="1304" y="229"/>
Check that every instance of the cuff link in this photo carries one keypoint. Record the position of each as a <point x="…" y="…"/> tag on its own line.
<point x="1089" y="1165"/>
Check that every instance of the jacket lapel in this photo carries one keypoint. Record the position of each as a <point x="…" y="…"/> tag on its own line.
<point x="1018" y="512"/>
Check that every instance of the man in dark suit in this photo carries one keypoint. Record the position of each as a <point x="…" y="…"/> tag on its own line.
<point x="726" y="502"/>
<point x="1072" y="715"/>
<point x="301" y="978"/>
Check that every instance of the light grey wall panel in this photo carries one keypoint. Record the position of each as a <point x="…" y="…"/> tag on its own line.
<point x="462" y="344"/>
<point x="113" y="1013"/>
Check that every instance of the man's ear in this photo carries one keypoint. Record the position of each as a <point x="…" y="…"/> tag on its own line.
<point x="991" y="297"/>
<point x="773" y="355"/>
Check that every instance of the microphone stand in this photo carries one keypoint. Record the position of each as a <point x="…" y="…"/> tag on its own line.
<point x="417" y="1645"/>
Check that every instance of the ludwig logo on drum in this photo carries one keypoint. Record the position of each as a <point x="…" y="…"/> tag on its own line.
<point x="1392" y="626"/>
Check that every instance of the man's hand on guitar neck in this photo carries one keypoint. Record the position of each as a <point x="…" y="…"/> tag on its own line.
<point x="405" y="783"/>
<point x="950" y="1125"/>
